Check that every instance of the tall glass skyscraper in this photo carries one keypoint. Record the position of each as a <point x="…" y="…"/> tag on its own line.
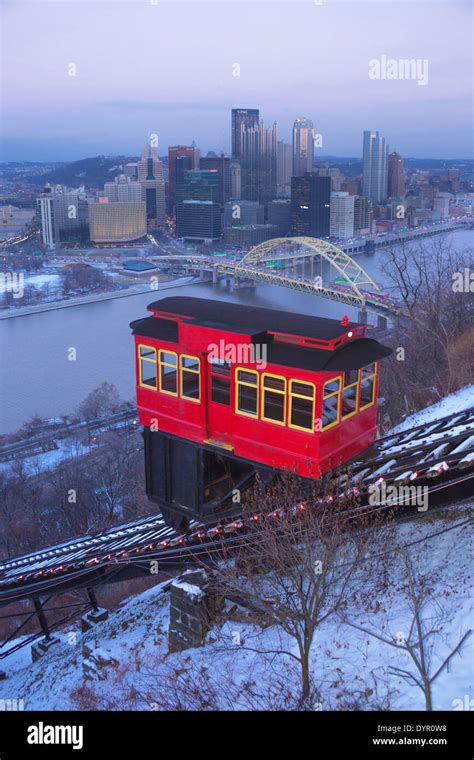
<point x="258" y="162"/>
<point x="303" y="147"/>
<point x="248" y="117"/>
<point x="375" y="167"/>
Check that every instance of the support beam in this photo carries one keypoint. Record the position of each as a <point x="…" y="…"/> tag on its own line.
<point x="42" y="618"/>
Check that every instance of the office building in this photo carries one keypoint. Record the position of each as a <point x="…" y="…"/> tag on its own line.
<point x="122" y="189"/>
<point x="248" y="235"/>
<point x="242" y="117"/>
<point x="284" y="168"/>
<point x="239" y="213"/>
<point x="310" y="205"/>
<point x="220" y="164"/>
<point x="279" y="214"/>
<point x="396" y="176"/>
<point x="120" y="222"/>
<point x="374" y="167"/>
<point x="176" y="152"/>
<point x="150" y="177"/>
<point x="342" y="216"/>
<point x="235" y="181"/>
<point x="63" y="215"/>
<point x="362" y="215"/>
<point x="258" y="162"/>
<point x="303" y="147"/>
<point x="198" y="220"/>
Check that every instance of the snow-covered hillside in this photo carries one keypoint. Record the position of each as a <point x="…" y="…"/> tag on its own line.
<point x="458" y="401"/>
<point x="349" y="667"/>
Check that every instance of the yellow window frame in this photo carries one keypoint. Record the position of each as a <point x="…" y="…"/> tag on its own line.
<point x="150" y="361"/>
<point x="193" y="372"/>
<point x="355" y="384"/>
<point x="272" y="390"/>
<point x="329" y="395"/>
<point x="161" y="364"/>
<point x="372" y="376"/>
<point x="293" y="395"/>
<point x="250" y="385"/>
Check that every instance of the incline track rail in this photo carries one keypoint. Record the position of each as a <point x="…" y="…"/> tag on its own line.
<point x="439" y="455"/>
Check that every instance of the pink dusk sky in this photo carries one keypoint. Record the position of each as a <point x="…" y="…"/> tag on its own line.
<point x="168" y="67"/>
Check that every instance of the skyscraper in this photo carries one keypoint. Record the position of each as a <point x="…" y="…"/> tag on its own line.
<point x="375" y="167"/>
<point x="248" y="117"/>
<point x="198" y="210"/>
<point x="310" y="205"/>
<point x="63" y="214"/>
<point x="174" y="153"/>
<point x="258" y="162"/>
<point x="221" y="164"/>
<point x="396" y="176"/>
<point x="284" y="167"/>
<point x="342" y="215"/>
<point x="150" y="177"/>
<point x="303" y="147"/>
<point x="361" y="213"/>
<point x="122" y="189"/>
<point x="49" y="229"/>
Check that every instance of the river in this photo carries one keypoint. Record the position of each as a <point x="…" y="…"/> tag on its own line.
<point x="36" y="375"/>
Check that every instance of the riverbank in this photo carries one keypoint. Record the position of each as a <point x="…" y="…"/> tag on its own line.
<point x="82" y="300"/>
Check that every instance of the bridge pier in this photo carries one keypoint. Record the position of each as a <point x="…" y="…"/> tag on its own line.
<point x="362" y="315"/>
<point x="381" y="322"/>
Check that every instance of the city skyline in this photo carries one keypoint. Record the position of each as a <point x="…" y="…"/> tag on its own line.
<point x="139" y="76"/>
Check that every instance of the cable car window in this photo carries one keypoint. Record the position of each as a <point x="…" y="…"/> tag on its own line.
<point x="273" y="399"/>
<point x="332" y="386"/>
<point x="147" y="366"/>
<point x="351" y="377"/>
<point x="246" y="392"/>
<point x="220" y="366"/>
<point x="331" y="403"/>
<point x="350" y="393"/>
<point x="301" y="405"/>
<point x="190" y="378"/>
<point x="220" y="380"/>
<point x="220" y="389"/>
<point x="367" y="386"/>
<point x="168" y="364"/>
<point x="367" y="371"/>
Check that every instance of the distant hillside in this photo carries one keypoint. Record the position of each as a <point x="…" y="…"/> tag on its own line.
<point x="91" y="172"/>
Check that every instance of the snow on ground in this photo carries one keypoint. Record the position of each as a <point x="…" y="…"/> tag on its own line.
<point x="40" y="280"/>
<point x="344" y="660"/>
<point x="67" y="448"/>
<point x="458" y="401"/>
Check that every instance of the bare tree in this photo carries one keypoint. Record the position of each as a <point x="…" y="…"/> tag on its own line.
<point x="437" y="318"/>
<point x="296" y="567"/>
<point x="429" y="613"/>
<point x="102" y="401"/>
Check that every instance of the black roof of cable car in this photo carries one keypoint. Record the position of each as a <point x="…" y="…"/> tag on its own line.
<point x="351" y="355"/>
<point x="240" y="317"/>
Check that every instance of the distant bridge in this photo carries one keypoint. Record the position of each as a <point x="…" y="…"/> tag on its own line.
<point x="327" y="271"/>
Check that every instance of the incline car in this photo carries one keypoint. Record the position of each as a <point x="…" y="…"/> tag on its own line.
<point x="226" y="390"/>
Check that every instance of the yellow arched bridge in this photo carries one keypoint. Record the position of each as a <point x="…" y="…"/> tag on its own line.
<point x="325" y="271"/>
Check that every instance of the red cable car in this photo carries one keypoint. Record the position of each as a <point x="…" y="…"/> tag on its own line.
<point x="225" y="390"/>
